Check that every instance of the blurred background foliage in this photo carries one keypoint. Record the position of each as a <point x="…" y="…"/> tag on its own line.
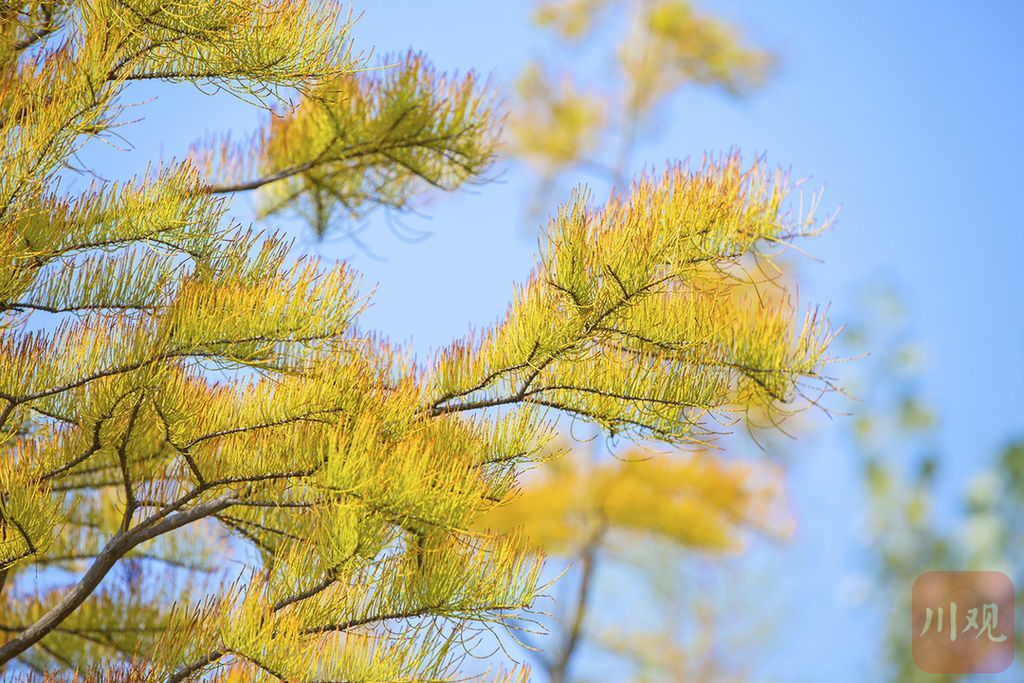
<point x="907" y="528"/>
<point x="650" y="51"/>
<point x="657" y="529"/>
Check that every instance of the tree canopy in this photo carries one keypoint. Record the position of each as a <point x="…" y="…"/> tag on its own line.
<point x="183" y="398"/>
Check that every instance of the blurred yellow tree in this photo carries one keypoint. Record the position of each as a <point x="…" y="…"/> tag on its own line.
<point x="169" y="378"/>
<point x="633" y="515"/>
<point x="661" y="48"/>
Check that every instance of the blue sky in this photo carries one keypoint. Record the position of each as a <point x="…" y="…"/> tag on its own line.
<point x="909" y="113"/>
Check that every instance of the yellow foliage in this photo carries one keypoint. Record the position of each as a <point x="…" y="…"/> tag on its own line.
<point x="681" y="46"/>
<point x="660" y="46"/>
<point x="348" y="476"/>
<point x="357" y="141"/>
<point x="573" y="19"/>
<point x="696" y="500"/>
<point x="557" y="125"/>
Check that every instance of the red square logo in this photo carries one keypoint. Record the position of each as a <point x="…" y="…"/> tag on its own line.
<point x="962" y="622"/>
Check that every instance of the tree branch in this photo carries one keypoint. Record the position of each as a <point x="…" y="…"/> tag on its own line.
<point x="560" y="666"/>
<point x="118" y="546"/>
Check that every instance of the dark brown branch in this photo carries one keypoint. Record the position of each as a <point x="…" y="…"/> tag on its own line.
<point x="306" y="594"/>
<point x="131" y="504"/>
<point x="33" y="38"/>
<point x="93" y="447"/>
<point x="118" y="546"/>
<point x="6" y="412"/>
<point x="522" y="395"/>
<point x="265" y="180"/>
<point x="305" y="417"/>
<point x="236" y="522"/>
<point x="182" y="353"/>
<point x="180" y="564"/>
<point x="349" y="153"/>
<point x="189" y="460"/>
<point x="482" y="383"/>
<point x="61" y="659"/>
<point x="437" y="409"/>
<point x="19" y="306"/>
<point x="410" y="614"/>
<point x="182" y="674"/>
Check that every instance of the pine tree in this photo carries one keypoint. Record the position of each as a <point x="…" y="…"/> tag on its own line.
<point x="168" y="377"/>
